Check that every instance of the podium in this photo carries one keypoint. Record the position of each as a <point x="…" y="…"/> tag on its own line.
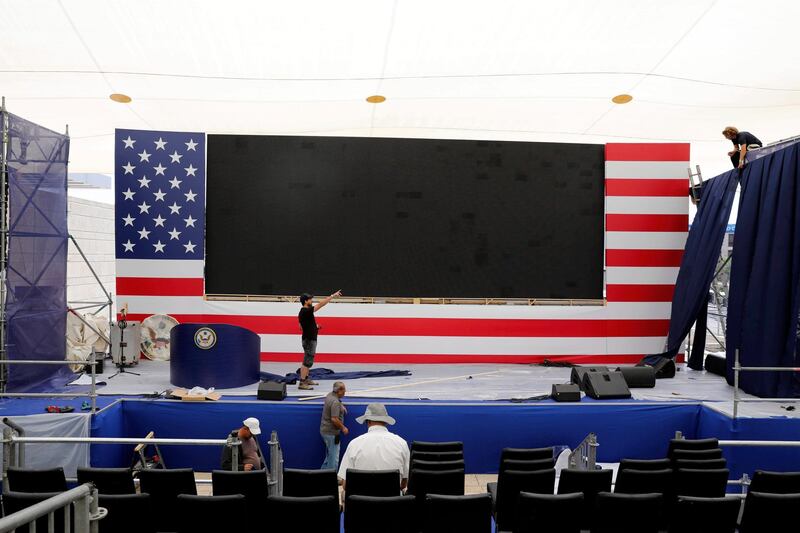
<point x="213" y="355"/>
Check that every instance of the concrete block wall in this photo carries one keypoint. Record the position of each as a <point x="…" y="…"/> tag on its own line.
<point x="92" y="225"/>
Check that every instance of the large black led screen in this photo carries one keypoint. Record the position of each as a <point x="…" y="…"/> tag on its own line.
<point x="404" y="217"/>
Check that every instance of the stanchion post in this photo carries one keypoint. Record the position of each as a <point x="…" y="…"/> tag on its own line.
<point x="736" y="384"/>
<point x="233" y="443"/>
<point x="275" y="467"/>
<point x="93" y="390"/>
<point x="593" y="444"/>
<point x="6" y="456"/>
<point x="82" y="514"/>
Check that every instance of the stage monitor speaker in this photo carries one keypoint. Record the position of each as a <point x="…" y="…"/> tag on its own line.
<point x="566" y="392"/>
<point x="271" y="390"/>
<point x="638" y="377"/>
<point x="605" y="385"/>
<point x="665" y="368"/>
<point x="130" y="338"/>
<point x="716" y="364"/>
<point x="578" y="373"/>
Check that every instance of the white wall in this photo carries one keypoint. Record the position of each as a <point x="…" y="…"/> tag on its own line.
<point x="92" y="225"/>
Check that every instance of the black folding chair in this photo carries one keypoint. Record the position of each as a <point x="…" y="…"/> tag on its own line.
<point x="251" y="484"/>
<point x="701" y="483"/>
<point x="644" y="464"/>
<point x="700" y="464"/>
<point x="691" y="444"/>
<point x="437" y="447"/>
<point x="697" y="455"/>
<point x="510" y="483"/>
<point x="464" y="514"/>
<point x="705" y="515"/>
<point x="164" y="486"/>
<point x="775" y="482"/>
<point x="416" y="464"/>
<point x="36" y="480"/>
<point x="525" y="454"/>
<point x="108" y="480"/>
<point x="549" y="513"/>
<point x="315" y="514"/>
<point x="372" y="482"/>
<point x="769" y="512"/>
<point x="627" y="513"/>
<point x="644" y="481"/>
<point x="127" y="513"/>
<point x="211" y="513"/>
<point x="305" y="483"/>
<point x="526" y="465"/>
<point x="588" y="482"/>
<point x="447" y="482"/>
<point x="437" y="456"/>
<point x="369" y="514"/>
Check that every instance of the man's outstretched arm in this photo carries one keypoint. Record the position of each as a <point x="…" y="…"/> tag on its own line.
<point x="326" y="301"/>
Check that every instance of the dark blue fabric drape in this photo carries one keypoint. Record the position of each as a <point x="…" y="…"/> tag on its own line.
<point x="699" y="259"/>
<point x="763" y="302"/>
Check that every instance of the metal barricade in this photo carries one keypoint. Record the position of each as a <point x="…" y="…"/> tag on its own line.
<point x="86" y="512"/>
<point x="584" y="456"/>
<point x="92" y="390"/>
<point x="12" y="444"/>
<point x="737" y="368"/>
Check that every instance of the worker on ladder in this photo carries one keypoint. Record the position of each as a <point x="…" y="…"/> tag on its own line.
<point x="742" y="141"/>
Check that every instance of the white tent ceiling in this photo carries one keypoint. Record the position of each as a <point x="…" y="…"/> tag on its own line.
<point x="519" y="70"/>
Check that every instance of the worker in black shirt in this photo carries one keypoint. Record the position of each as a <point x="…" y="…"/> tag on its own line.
<point x="310" y="330"/>
<point x="742" y="141"/>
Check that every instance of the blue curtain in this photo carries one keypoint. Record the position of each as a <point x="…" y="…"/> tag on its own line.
<point x="699" y="261"/>
<point x="36" y="277"/>
<point x="763" y="302"/>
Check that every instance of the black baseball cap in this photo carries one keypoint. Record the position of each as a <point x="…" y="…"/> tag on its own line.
<point x="304" y="298"/>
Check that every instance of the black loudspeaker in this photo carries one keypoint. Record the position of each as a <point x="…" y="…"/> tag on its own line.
<point x="578" y="372"/>
<point x="638" y="377"/>
<point x="566" y="392"/>
<point x="716" y="364"/>
<point x="271" y="390"/>
<point x="605" y="385"/>
<point x="665" y="368"/>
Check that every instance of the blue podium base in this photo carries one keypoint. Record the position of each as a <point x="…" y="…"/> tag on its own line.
<point x="213" y="355"/>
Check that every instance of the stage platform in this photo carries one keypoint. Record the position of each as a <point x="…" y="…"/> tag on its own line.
<point x="488" y="407"/>
<point x="460" y="382"/>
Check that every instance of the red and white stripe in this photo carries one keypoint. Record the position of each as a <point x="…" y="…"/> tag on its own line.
<point x="646" y="228"/>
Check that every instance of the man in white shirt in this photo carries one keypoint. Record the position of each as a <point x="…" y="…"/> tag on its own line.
<point x="377" y="449"/>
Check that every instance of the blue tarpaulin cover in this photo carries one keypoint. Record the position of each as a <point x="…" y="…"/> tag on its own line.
<point x="327" y="373"/>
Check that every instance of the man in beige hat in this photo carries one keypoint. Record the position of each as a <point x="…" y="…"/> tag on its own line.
<point x="377" y="449"/>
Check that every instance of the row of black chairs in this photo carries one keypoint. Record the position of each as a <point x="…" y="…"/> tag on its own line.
<point x="540" y="513"/>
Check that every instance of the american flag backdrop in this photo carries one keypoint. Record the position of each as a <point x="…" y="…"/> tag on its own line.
<point x="161" y="269"/>
<point x="160" y="211"/>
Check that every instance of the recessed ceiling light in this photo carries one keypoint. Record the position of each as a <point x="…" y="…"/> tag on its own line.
<point x="121" y="98"/>
<point x="376" y="99"/>
<point x="622" y="99"/>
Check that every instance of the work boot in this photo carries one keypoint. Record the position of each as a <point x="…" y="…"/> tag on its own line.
<point x="305" y="385"/>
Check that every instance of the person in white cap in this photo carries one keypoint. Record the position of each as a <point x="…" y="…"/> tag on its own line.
<point x="249" y="452"/>
<point x="377" y="449"/>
